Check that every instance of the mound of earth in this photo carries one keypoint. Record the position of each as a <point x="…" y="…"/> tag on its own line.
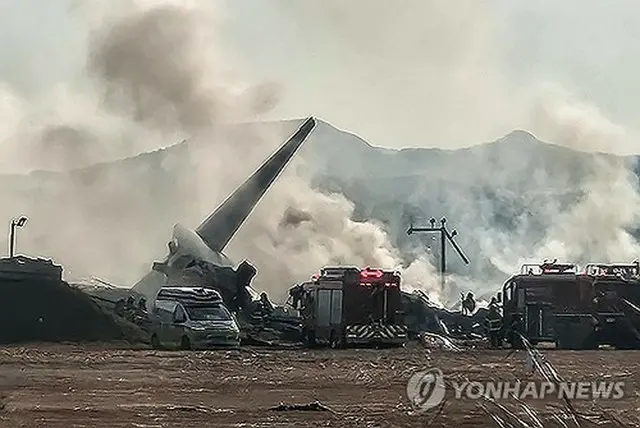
<point x="42" y="307"/>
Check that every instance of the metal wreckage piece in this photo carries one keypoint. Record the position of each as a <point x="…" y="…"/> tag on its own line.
<point x="422" y="316"/>
<point x="196" y="257"/>
<point x="264" y="323"/>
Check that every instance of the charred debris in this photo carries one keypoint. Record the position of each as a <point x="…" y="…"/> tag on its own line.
<point x="550" y="302"/>
<point x="340" y="306"/>
<point x="363" y="313"/>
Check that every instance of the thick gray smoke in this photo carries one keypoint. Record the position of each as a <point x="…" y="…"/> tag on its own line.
<point x="154" y="75"/>
<point x="597" y="226"/>
<point x="439" y="66"/>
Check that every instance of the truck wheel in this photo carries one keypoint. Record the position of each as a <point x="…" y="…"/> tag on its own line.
<point x="155" y="342"/>
<point x="185" y="343"/>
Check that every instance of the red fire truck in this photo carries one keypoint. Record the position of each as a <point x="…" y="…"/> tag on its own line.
<point x="343" y="306"/>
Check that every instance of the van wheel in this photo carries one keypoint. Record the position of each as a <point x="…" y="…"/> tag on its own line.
<point x="155" y="342"/>
<point x="185" y="343"/>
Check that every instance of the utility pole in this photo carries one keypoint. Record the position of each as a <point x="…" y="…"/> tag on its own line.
<point x="12" y="235"/>
<point x="445" y="236"/>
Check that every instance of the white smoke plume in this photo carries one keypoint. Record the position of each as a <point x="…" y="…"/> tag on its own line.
<point x="155" y="75"/>
<point x="436" y="67"/>
<point x="597" y="227"/>
<point x="301" y="230"/>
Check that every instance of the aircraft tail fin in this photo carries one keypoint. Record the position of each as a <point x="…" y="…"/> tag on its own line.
<point x="218" y="229"/>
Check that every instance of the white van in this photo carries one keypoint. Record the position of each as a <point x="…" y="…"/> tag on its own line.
<point x="192" y="318"/>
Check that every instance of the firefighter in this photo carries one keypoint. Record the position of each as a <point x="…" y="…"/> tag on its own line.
<point x="494" y="326"/>
<point x="296" y="295"/>
<point x="130" y="309"/>
<point x="266" y="304"/>
<point x="141" y="310"/>
<point x="493" y="303"/>
<point x="142" y="305"/>
<point x="468" y="304"/>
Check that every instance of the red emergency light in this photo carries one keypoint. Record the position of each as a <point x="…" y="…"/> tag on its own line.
<point x="371" y="273"/>
<point x="370" y="277"/>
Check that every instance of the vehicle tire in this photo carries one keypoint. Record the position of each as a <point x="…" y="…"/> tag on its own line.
<point x="185" y="343"/>
<point x="155" y="342"/>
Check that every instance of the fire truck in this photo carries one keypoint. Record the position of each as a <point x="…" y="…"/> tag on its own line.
<point x="542" y="300"/>
<point x="616" y="289"/>
<point x="348" y="306"/>
<point x="554" y="302"/>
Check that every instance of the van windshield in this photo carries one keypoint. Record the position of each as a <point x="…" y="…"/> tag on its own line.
<point x="208" y="313"/>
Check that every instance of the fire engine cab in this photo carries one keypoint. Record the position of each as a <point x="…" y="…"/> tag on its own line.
<point x="343" y="306"/>
<point x="546" y="303"/>
<point x="584" y="309"/>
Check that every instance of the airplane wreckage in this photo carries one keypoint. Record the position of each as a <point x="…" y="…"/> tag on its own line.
<point x="196" y="259"/>
<point x="369" y="305"/>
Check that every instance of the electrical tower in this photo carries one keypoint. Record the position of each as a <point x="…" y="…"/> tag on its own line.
<point x="445" y="236"/>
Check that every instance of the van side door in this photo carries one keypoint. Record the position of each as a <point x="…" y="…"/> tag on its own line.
<point x="164" y="312"/>
<point x="176" y="327"/>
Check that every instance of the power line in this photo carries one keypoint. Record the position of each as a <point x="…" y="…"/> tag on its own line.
<point x="445" y="236"/>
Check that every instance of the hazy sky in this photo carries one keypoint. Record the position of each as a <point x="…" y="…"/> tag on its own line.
<point x="407" y="73"/>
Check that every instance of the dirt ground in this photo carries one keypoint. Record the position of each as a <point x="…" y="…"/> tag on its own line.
<point x="53" y="385"/>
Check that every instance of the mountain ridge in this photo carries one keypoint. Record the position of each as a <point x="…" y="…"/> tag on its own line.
<point x="498" y="194"/>
<point x="515" y="137"/>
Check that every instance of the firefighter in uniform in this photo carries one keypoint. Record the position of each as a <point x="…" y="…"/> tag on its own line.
<point x="494" y="324"/>
<point x="468" y="304"/>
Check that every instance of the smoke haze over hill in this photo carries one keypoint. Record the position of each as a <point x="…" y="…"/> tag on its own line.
<point x="156" y="73"/>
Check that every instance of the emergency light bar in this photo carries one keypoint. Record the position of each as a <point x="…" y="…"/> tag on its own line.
<point x="548" y="268"/>
<point x="602" y="269"/>
<point x="370" y="277"/>
<point x="335" y="272"/>
<point x="371" y="273"/>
